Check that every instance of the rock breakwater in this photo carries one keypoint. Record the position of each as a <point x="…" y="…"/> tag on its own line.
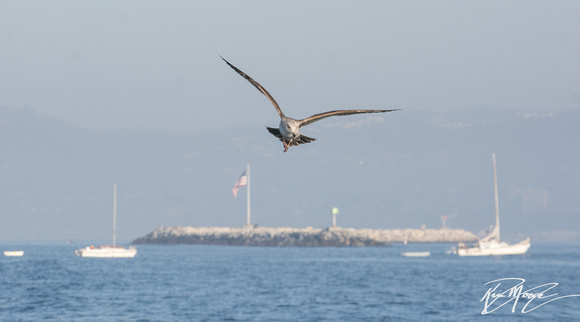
<point x="313" y="237"/>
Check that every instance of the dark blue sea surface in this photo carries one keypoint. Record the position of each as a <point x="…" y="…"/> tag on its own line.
<point x="207" y="283"/>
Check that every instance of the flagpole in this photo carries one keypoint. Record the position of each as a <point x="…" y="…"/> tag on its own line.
<point x="114" y="215"/>
<point x="248" y="174"/>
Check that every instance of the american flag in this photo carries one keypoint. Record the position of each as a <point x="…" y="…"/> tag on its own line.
<point x="242" y="182"/>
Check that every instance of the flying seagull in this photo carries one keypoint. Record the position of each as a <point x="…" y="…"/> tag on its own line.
<point x="289" y="129"/>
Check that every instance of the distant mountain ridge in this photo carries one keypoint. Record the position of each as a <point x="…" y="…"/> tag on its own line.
<point x="398" y="171"/>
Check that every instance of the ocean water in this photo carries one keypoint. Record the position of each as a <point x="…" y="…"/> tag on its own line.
<point x="220" y="283"/>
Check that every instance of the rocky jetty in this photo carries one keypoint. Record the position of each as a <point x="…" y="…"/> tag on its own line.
<point x="284" y="236"/>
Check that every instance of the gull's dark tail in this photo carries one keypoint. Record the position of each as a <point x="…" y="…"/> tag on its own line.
<point x="301" y="139"/>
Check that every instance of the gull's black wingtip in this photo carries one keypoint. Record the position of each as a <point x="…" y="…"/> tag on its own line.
<point x="227" y="62"/>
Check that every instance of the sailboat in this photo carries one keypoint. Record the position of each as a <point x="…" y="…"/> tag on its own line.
<point x="109" y="251"/>
<point x="492" y="244"/>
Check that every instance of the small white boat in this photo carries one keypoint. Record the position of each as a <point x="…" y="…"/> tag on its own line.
<point x="416" y="254"/>
<point x="492" y="244"/>
<point x="14" y="253"/>
<point x="109" y="251"/>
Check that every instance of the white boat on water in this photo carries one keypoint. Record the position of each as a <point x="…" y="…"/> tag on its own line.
<point x="495" y="248"/>
<point x="109" y="251"/>
<point x="416" y="254"/>
<point x="492" y="244"/>
<point x="14" y="253"/>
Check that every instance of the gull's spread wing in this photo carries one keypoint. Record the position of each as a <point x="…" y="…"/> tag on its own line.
<point x="258" y="86"/>
<point x="320" y="116"/>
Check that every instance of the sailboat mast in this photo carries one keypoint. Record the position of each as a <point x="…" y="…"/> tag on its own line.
<point x="248" y="204"/>
<point x="114" y="215"/>
<point x="496" y="197"/>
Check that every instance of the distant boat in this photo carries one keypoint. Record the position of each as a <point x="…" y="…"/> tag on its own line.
<point x="109" y="251"/>
<point x="492" y="244"/>
<point x="13" y="253"/>
<point x="416" y="254"/>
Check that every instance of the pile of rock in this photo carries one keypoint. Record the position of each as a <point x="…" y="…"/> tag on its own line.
<point x="284" y="236"/>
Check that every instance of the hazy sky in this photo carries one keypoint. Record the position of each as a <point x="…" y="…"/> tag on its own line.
<point x="156" y="64"/>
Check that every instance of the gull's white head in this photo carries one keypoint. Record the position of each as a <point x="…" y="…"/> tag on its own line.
<point x="289" y="128"/>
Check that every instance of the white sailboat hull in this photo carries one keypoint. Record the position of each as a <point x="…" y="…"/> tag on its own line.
<point x="107" y="252"/>
<point x="13" y="253"/>
<point x="493" y="248"/>
<point x="416" y="254"/>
